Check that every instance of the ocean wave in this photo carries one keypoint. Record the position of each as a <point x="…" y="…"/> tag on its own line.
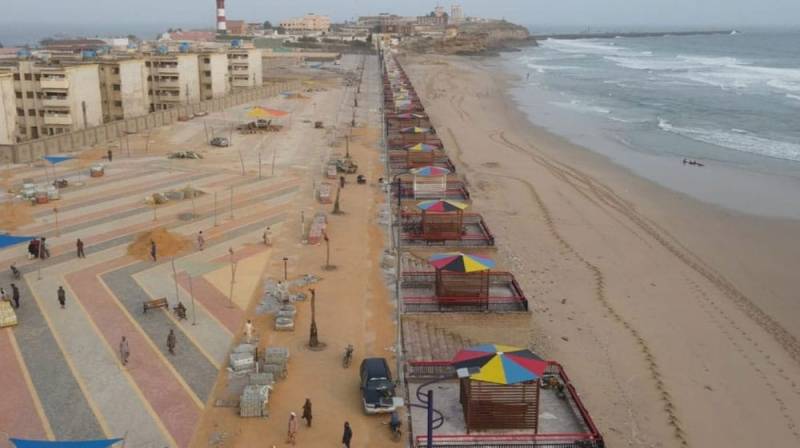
<point x="544" y="68"/>
<point x="593" y="47"/>
<point x="580" y="106"/>
<point x="738" y="140"/>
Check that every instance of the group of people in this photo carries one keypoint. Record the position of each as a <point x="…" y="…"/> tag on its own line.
<point x="347" y="435"/>
<point x="691" y="162"/>
<point x="125" y="351"/>
<point x="37" y="248"/>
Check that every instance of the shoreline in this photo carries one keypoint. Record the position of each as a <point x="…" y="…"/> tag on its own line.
<point x="636" y="288"/>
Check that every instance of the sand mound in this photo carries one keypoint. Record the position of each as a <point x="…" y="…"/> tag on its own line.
<point x="167" y="244"/>
<point x="14" y="215"/>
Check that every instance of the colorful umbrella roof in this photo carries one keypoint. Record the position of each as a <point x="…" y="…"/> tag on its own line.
<point x="500" y="364"/>
<point x="441" y="205"/>
<point x="415" y="130"/>
<point x="421" y="147"/>
<point x="265" y="112"/>
<point x="409" y="115"/>
<point x="429" y="171"/>
<point x="459" y="262"/>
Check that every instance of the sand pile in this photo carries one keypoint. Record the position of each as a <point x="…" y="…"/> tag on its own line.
<point x="91" y="156"/>
<point x="14" y="215"/>
<point x="167" y="244"/>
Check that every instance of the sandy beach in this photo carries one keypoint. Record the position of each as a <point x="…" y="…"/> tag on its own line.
<point x="677" y="320"/>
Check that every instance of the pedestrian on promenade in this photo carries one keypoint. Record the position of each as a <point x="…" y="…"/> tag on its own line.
<point x="79" y="246"/>
<point x="3" y="295"/>
<point x="62" y="297"/>
<point x="110" y="156"/>
<point x="267" y="237"/>
<point x="171" y="342"/>
<point x="15" y="295"/>
<point x="347" y="436"/>
<point x="201" y="241"/>
<point x="307" y="412"/>
<point x="248" y="330"/>
<point x="124" y="352"/>
<point x="153" y="250"/>
<point x="341" y="181"/>
<point x="292" y="436"/>
<point x="45" y="252"/>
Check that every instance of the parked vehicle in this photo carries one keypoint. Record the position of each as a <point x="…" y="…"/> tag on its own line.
<point x="221" y="142"/>
<point x="377" y="387"/>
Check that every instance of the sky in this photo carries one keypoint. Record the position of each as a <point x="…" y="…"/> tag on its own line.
<point x="100" y="14"/>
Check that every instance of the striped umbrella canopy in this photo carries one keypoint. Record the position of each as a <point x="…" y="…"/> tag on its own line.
<point x="430" y="171"/>
<point x="460" y="262"/>
<point x="500" y="364"/>
<point x="421" y="147"/>
<point x="409" y="115"/>
<point x="265" y="112"/>
<point x="441" y="205"/>
<point x="415" y="130"/>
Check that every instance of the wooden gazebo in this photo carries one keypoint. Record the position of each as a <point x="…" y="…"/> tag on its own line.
<point x="500" y="406"/>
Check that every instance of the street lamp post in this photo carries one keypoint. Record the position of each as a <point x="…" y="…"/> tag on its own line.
<point x="285" y="268"/>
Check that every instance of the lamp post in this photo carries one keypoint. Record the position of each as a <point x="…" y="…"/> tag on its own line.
<point x="313" y="337"/>
<point x="285" y="268"/>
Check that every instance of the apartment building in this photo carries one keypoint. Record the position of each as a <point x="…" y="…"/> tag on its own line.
<point x="309" y="22"/>
<point x="49" y="99"/>
<point x="123" y="88"/>
<point x="214" y="82"/>
<point x="8" y="115"/>
<point x="172" y="79"/>
<point x="245" y="68"/>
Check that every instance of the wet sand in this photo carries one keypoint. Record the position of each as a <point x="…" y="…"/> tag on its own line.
<point x="677" y="320"/>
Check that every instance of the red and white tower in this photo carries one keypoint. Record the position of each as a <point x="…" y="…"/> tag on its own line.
<point x="222" y="27"/>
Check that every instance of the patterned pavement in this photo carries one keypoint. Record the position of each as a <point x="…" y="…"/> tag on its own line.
<point x="61" y="372"/>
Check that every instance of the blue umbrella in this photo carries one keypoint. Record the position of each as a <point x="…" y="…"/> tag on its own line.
<point x="9" y="240"/>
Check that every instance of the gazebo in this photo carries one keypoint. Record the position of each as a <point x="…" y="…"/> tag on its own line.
<point x="429" y="181"/>
<point x="461" y="277"/>
<point x="499" y="387"/>
<point x="442" y="219"/>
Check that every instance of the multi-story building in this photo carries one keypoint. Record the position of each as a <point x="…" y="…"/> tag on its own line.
<point x="8" y="114"/>
<point x="244" y="68"/>
<point x="173" y="79"/>
<point x="214" y="82"/>
<point x="123" y="88"/>
<point x="456" y="14"/>
<point x="49" y="99"/>
<point x="309" y="22"/>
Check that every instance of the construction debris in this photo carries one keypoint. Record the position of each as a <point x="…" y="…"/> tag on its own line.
<point x="184" y="155"/>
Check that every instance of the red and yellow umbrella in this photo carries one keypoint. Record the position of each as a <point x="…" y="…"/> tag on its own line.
<point x="441" y="205"/>
<point x="500" y="364"/>
<point x="265" y="112"/>
<point x="459" y="262"/>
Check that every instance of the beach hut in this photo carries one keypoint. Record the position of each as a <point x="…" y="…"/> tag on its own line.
<point x="499" y="387"/>
<point x="441" y="219"/>
<point x="429" y="181"/>
<point x="461" y="277"/>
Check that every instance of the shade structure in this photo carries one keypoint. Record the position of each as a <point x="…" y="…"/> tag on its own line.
<point x="9" y="240"/>
<point x="21" y="443"/>
<point x="265" y="112"/>
<point x="409" y="116"/>
<point x="500" y="364"/>
<point x="55" y="160"/>
<point x="415" y="130"/>
<point x="459" y="262"/>
<point x="441" y="205"/>
<point x="430" y="171"/>
<point x="421" y="147"/>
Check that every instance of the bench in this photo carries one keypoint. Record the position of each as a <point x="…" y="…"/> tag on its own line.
<point x="155" y="304"/>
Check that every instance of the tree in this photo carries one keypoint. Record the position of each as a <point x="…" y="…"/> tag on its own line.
<point x="281" y="30"/>
<point x="1" y="45"/>
<point x="267" y="25"/>
<point x="133" y="38"/>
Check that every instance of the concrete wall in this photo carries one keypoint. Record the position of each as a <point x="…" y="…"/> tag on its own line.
<point x="84" y="88"/>
<point x="219" y="75"/>
<point x="189" y="68"/>
<point x="133" y="86"/>
<point x="8" y="110"/>
<point x="75" y="141"/>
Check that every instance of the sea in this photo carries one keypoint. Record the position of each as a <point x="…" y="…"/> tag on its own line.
<point x="730" y="102"/>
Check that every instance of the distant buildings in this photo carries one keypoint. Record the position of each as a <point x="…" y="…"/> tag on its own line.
<point x="57" y="91"/>
<point x="456" y="14"/>
<point x="308" y="22"/>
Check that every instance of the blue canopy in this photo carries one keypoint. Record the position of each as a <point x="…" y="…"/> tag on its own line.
<point x="8" y="240"/>
<point x="19" y="443"/>
<point x="55" y="160"/>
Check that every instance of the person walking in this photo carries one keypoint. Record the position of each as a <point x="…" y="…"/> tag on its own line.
<point x="307" y="412"/>
<point x="110" y="156"/>
<point x="43" y="250"/>
<point x="347" y="436"/>
<point x="248" y="330"/>
<point x="15" y="295"/>
<point x="153" y="250"/>
<point x="124" y="351"/>
<point x="266" y="237"/>
<point x="201" y="241"/>
<point x="171" y="342"/>
<point x="79" y="246"/>
<point x="62" y="297"/>
<point x="292" y="433"/>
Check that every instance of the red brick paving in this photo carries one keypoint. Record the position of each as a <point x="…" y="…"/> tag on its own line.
<point x="18" y="415"/>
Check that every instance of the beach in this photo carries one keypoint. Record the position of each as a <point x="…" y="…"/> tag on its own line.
<point x="676" y="318"/>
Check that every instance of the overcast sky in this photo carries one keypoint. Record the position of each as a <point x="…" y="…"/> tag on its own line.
<point x="528" y="12"/>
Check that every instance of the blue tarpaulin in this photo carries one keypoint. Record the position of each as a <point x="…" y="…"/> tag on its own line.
<point x="55" y="160"/>
<point x="8" y="240"/>
<point x="20" y="443"/>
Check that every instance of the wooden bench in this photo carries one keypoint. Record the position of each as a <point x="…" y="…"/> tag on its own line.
<point x="155" y="304"/>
